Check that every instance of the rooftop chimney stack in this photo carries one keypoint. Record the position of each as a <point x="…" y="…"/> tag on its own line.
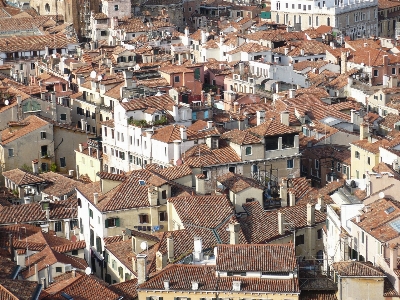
<point x="141" y="267"/>
<point x="198" y="249"/>
<point x="310" y="214"/>
<point x="281" y="223"/>
<point x="285" y="117"/>
<point x="177" y="151"/>
<point x="234" y="233"/>
<point x="236" y="286"/>
<point x="260" y="117"/>
<point x="183" y="134"/>
<point x="35" y="166"/>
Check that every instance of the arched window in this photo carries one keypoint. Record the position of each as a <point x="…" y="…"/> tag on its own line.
<point x="316" y="21"/>
<point x="328" y="21"/>
<point x="47" y="7"/>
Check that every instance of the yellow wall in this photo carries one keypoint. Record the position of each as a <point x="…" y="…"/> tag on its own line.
<point x="361" y="164"/>
<point x="360" y="288"/>
<point x="87" y="165"/>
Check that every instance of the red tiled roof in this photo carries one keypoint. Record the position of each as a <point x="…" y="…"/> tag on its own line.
<point x="204" y="211"/>
<point x="272" y="128"/>
<point x="20" y="177"/>
<point x="237" y="183"/>
<point x="181" y="277"/>
<point x="28" y="125"/>
<point x="242" y="137"/>
<point x="270" y="258"/>
<point x="357" y="269"/>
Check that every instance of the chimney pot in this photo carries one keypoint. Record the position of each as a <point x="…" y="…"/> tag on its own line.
<point x="234" y="233"/>
<point x="310" y="214"/>
<point x="95" y="198"/>
<point x="166" y="285"/>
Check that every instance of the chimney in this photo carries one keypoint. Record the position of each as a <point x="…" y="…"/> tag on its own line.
<point x="393" y="253"/>
<point x="141" y="267"/>
<point x="364" y="132"/>
<point x="203" y="37"/>
<point x="292" y="93"/>
<point x="19" y="100"/>
<point x="235" y="107"/>
<point x="186" y="31"/>
<point x="20" y="259"/>
<point x="385" y="60"/>
<point x="177" y="151"/>
<point x="260" y="117"/>
<point x="35" y="166"/>
<point x="358" y="219"/>
<point x="285" y="118"/>
<point x="343" y="62"/>
<point x="95" y="198"/>
<point x="152" y="196"/>
<point x="114" y="22"/>
<point x="83" y="124"/>
<point x="80" y="147"/>
<point x="128" y="79"/>
<point x="46" y="278"/>
<point x="170" y="248"/>
<point x="36" y="273"/>
<point x="183" y="134"/>
<point x="321" y="203"/>
<point x="73" y="273"/>
<point x="43" y="282"/>
<point x="302" y="52"/>
<point x="71" y="173"/>
<point x="198" y="249"/>
<point x="234" y="233"/>
<point x="281" y="223"/>
<point x="236" y="286"/>
<point x="161" y="261"/>
<point x="195" y="285"/>
<point x="200" y="184"/>
<point x="166" y="284"/>
<point x="277" y="87"/>
<point x="210" y="124"/>
<point x="286" y="51"/>
<point x="292" y="199"/>
<point x="310" y="214"/>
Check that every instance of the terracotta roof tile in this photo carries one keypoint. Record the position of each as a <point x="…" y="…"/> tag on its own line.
<point x="28" y="125"/>
<point x="270" y="258"/>
<point x="242" y="137"/>
<point x="181" y="277"/>
<point x="357" y="269"/>
<point x="20" y="177"/>
<point x="204" y="211"/>
<point x="126" y="289"/>
<point x="17" y="289"/>
<point x="272" y="128"/>
<point x="237" y="183"/>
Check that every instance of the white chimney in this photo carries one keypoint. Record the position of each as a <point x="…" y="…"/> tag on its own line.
<point x="177" y="151"/>
<point x="302" y="52"/>
<point x="187" y="31"/>
<point x="95" y="198"/>
<point x="195" y="285"/>
<point x="141" y="267"/>
<point x="80" y="147"/>
<point x="170" y="248"/>
<point x="310" y="214"/>
<point x="210" y="124"/>
<point x="83" y="124"/>
<point x="292" y="93"/>
<point x="321" y="203"/>
<point x="71" y="173"/>
<point x="292" y="199"/>
<point x="19" y="100"/>
<point x="286" y="51"/>
<point x="234" y="233"/>
<point x="285" y="118"/>
<point x="203" y="37"/>
<point x="358" y="218"/>
<point x="166" y="284"/>
<point x="183" y="134"/>
<point x="260" y="117"/>
<point x="198" y="249"/>
<point x="236" y="286"/>
<point x="281" y="223"/>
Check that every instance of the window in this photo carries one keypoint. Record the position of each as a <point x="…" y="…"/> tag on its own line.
<point x="112" y="222"/>
<point x="375" y="73"/>
<point x="112" y="133"/>
<point x="114" y="264"/>
<point x="59" y="269"/>
<point x="57" y="226"/>
<point x="300" y="239"/>
<point x="369" y="160"/>
<point x="10" y="152"/>
<point x="33" y="66"/>
<point x="98" y="244"/>
<point x="103" y="33"/>
<point x="176" y="79"/>
<point x="43" y="135"/>
<point x="63" y="117"/>
<point x="319" y="234"/>
<point x="74" y="252"/>
<point x="290" y="163"/>
<point x="317" y="164"/>
<point x="205" y="173"/>
<point x="164" y="194"/>
<point x="163" y="216"/>
<point x="357" y="154"/>
<point x="362" y="237"/>
<point x="62" y="162"/>
<point x="122" y="137"/>
<point x="90" y="213"/>
<point x="357" y="174"/>
<point x="393" y="71"/>
<point x="116" y="7"/>
<point x="287" y="5"/>
<point x="248" y="150"/>
<point x="344" y="170"/>
<point x="143" y="218"/>
<point x="121" y="272"/>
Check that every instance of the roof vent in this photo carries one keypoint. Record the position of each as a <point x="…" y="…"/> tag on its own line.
<point x="389" y="210"/>
<point x="142" y="182"/>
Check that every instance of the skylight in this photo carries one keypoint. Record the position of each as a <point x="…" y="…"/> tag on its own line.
<point x="389" y="210"/>
<point x="142" y="182"/>
<point x="396" y="225"/>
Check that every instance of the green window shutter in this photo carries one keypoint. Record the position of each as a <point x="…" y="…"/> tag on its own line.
<point x="106" y="224"/>
<point x="117" y="222"/>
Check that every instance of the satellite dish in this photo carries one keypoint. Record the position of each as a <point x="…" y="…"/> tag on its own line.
<point x="125" y="100"/>
<point x="6" y="102"/>
<point x="158" y="94"/>
<point x="54" y="55"/>
<point x="318" y="206"/>
<point x="88" y="271"/>
<point x="143" y="245"/>
<point x="381" y="195"/>
<point x="99" y="77"/>
<point x="93" y="74"/>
